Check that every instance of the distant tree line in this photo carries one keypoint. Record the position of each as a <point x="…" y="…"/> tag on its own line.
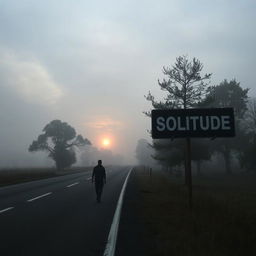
<point x="185" y="87"/>
<point x="144" y="153"/>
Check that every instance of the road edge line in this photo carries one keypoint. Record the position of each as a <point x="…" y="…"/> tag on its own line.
<point x="112" y="237"/>
<point x="6" y="209"/>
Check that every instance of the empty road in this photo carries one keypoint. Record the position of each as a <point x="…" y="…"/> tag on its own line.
<point x="58" y="216"/>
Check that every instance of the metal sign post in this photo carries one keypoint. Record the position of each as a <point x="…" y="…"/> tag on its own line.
<point x="192" y="123"/>
<point x="189" y="171"/>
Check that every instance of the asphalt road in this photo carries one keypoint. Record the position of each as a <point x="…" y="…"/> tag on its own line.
<point x="58" y="216"/>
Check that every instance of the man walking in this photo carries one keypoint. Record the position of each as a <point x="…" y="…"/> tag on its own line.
<point x="99" y="177"/>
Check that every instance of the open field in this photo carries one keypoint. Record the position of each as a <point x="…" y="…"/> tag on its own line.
<point x="17" y="175"/>
<point x="222" y="221"/>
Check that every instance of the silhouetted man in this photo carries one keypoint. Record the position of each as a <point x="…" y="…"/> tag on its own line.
<point x="99" y="177"/>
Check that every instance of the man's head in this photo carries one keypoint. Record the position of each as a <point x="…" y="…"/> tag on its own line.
<point x="99" y="162"/>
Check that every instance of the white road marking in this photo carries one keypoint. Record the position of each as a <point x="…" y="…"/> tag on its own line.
<point x="71" y="185"/>
<point x="6" y="209"/>
<point x="89" y="178"/>
<point x="35" y="198"/>
<point x="111" y="244"/>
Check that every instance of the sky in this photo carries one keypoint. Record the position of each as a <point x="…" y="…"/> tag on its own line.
<point x="90" y="64"/>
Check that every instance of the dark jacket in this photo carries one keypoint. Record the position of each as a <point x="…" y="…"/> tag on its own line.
<point x="99" y="174"/>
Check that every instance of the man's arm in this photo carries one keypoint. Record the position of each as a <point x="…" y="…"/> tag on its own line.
<point x="104" y="175"/>
<point x="93" y="175"/>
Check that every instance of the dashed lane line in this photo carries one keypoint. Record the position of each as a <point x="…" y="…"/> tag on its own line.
<point x="38" y="197"/>
<point x="73" y="184"/>
<point x="89" y="178"/>
<point x="6" y="209"/>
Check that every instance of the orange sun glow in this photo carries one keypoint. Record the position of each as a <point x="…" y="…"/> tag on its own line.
<point x="106" y="142"/>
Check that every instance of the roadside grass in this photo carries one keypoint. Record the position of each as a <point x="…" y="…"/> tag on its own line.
<point x="222" y="221"/>
<point x="18" y="175"/>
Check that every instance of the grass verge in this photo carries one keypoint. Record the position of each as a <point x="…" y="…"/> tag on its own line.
<point x="19" y="175"/>
<point x="222" y="221"/>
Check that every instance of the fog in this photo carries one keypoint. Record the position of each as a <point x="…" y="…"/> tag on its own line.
<point x="91" y="63"/>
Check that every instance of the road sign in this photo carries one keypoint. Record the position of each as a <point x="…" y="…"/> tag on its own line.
<point x="200" y="122"/>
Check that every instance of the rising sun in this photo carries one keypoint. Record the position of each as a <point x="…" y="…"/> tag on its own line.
<point x="105" y="142"/>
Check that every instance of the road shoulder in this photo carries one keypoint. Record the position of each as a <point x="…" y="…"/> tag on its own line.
<point x="131" y="234"/>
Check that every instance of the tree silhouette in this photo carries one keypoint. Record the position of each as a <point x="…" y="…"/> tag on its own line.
<point x="185" y="86"/>
<point x="144" y="153"/>
<point x="230" y="94"/>
<point x="169" y="153"/>
<point x="202" y="151"/>
<point x="59" y="140"/>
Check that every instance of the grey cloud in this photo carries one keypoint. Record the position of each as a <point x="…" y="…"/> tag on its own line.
<point x="98" y="59"/>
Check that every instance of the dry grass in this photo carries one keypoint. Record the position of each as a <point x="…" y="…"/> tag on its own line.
<point x="222" y="221"/>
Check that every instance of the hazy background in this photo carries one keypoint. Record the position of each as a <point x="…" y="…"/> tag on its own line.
<point x="90" y="63"/>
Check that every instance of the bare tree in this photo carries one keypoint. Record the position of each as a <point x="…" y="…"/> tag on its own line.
<point x="185" y="87"/>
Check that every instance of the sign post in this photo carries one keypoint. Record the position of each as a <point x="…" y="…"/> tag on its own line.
<point x="192" y="123"/>
<point x="189" y="171"/>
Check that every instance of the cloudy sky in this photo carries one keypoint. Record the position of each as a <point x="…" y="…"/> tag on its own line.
<point x="90" y="63"/>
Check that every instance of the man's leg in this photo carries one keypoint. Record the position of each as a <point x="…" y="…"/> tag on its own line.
<point x="100" y="187"/>
<point x="100" y="191"/>
<point x="97" y="188"/>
